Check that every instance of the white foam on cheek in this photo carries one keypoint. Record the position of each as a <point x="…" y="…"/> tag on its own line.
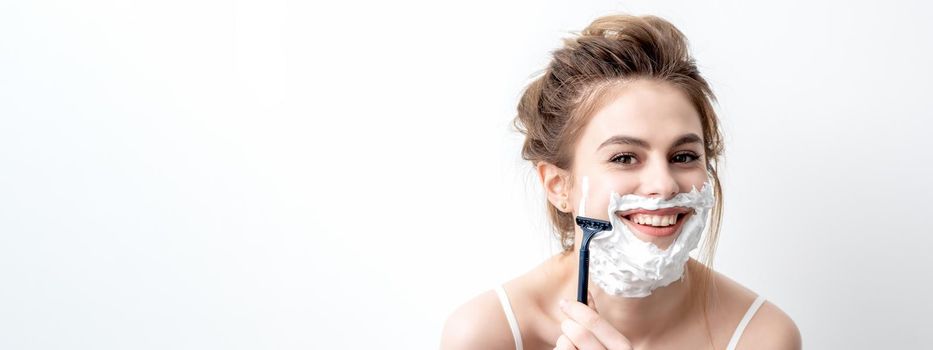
<point x="585" y="190"/>
<point x="622" y="264"/>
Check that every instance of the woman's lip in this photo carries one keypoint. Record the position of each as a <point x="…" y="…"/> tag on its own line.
<point x="664" y="211"/>
<point x="657" y="231"/>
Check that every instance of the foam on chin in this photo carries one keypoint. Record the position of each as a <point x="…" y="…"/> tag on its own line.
<point x="624" y="265"/>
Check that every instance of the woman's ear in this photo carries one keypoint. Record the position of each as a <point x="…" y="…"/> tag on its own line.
<point x="556" y="183"/>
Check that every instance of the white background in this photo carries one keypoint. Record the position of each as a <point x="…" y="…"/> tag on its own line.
<point x="285" y="175"/>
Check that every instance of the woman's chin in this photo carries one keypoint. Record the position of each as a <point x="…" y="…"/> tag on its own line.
<point x="661" y="242"/>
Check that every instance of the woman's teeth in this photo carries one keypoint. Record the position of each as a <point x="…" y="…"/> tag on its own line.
<point x="654" y="220"/>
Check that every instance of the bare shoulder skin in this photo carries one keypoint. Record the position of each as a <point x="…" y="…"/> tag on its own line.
<point x="769" y="328"/>
<point x="481" y="322"/>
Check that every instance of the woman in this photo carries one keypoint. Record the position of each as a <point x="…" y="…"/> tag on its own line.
<point x="622" y="119"/>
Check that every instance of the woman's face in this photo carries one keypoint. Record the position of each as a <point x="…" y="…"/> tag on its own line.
<point x="646" y="140"/>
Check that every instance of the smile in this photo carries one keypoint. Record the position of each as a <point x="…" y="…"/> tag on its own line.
<point x="658" y="223"/>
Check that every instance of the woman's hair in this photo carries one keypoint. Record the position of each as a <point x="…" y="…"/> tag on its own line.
<point x="611" y="51"/>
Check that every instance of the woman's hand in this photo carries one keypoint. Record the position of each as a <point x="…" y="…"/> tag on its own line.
<point x="584" y="329"/>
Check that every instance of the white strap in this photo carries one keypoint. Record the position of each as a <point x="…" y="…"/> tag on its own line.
<point x="509" y="315"/>
<point x="748" y="317"/>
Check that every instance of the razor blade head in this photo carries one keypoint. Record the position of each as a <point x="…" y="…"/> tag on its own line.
<point x="593" y="225"/>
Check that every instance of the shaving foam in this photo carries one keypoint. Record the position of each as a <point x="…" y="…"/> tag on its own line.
<point x="624" y="265"/>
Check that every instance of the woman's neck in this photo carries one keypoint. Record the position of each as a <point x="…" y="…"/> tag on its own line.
<point x="639" y="319"/>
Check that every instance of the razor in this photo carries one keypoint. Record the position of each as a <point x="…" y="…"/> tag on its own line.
<point x="590" y="228"/>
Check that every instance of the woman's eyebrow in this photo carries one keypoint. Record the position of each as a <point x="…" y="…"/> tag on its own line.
<point x="628" y="140"/>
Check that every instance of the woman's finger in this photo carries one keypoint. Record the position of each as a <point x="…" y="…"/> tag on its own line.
<point x="563" y="343"/>
<point x="595" y="325"/>
<point x="581" y="337"/>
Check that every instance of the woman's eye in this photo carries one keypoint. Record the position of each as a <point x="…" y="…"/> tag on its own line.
<point x="685" y="158"/>
<point x="629" y="159"/>
<point x="623" y="158"/>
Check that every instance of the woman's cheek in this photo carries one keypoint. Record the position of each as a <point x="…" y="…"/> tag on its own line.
<point x="597" y="196"/>
<point x="696" y="179"/>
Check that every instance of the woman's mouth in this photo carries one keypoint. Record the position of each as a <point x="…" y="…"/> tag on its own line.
<point x="658" y="223"/>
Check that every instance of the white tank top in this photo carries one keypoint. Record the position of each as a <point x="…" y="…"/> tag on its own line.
<point x="517" y="334"/>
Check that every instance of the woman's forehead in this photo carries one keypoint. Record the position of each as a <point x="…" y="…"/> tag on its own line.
<point x="657" y="113"/>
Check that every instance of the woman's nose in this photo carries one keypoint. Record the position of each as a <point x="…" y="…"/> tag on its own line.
<point x="658" y="181"/>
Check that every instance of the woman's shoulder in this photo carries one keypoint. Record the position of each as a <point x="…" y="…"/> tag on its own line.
<point x="479" y="323"/>
<point x="768" y="328"/>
